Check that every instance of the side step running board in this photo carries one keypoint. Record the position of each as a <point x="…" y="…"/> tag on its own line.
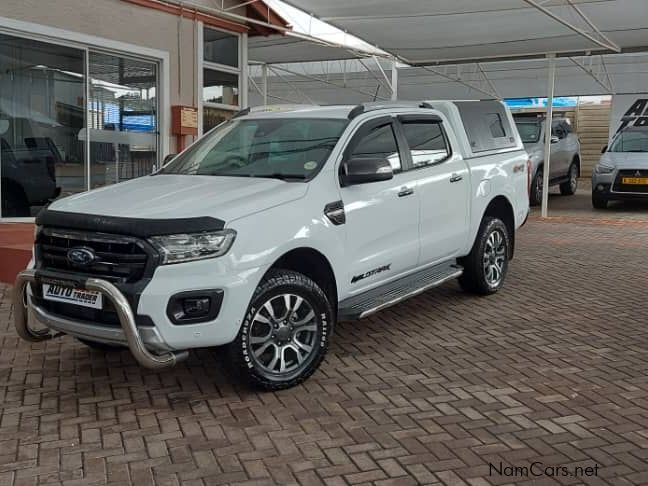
<point x="367" y="303"/>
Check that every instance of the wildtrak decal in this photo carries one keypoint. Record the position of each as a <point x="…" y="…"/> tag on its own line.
<point x="370" y="273"/>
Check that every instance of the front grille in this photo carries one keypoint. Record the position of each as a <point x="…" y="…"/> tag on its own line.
<point x="633" y="188"/>
<point x="119" y="259"/>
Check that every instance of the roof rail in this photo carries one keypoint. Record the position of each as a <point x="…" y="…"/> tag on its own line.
<point x="372" y="106"/>
<point x="272" y="108"/>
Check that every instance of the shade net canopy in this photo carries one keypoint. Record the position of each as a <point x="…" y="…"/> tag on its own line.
<point x="575" y="76"/>
<point x="424" y="32"/>
<point x="277" y="49"/>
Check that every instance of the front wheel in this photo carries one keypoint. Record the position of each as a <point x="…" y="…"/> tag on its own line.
<point x="285" y="333"/>
<point x="568" y="188"/>
<point x="486" y="265"/>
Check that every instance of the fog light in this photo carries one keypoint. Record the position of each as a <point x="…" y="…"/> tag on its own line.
<point x="600" y="188"/>
<point x="196" y="307"/>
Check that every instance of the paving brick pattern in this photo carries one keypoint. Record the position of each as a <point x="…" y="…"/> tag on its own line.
<point x="553" y="369"/>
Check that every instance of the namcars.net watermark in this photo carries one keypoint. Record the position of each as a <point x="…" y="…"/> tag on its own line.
<point x="539" y="469"/>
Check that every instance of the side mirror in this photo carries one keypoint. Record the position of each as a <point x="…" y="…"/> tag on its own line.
<point x="554" y="139"/>
<point x="168" y="158"/>
<point x="604" y="149"/>
<point x="362" y="171"/>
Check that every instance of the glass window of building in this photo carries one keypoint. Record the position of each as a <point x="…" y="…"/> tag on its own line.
<point x="42" y="112"/>
<point x="221" y="47"/>
<point x="46" y="121"/>
<point x="221" y="76"/>
<point x="123" y="118"/>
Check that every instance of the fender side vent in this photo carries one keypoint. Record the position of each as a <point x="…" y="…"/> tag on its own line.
<point x="335" y="212"/>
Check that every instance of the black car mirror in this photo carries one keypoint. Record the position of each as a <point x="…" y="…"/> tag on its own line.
<point x="362" y="171"/>
<point x="604" y="149"/>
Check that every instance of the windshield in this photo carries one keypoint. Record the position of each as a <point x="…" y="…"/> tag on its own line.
<point x="630" y="142"/>
<point x="529" y="131"/>
<point x="282" y="148"/>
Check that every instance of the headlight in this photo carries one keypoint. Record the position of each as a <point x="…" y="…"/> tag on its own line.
<point x="193" y="246"/>
<point x="603" y="169"/>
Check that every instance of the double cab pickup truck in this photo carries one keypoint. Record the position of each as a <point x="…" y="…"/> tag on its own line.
<point x="276" y="225"/>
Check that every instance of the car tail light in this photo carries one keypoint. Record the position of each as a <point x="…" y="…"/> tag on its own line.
<point x="529" y="169"/>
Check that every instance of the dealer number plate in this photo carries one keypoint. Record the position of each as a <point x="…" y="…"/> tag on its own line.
<point x="635" y="181"/>
<point x="69" y="295"/>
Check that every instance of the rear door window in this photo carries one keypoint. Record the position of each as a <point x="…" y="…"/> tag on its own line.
<point x="427" y="142"/>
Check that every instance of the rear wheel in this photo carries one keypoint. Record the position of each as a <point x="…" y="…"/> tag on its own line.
<point x="568" y="188"/>
<point x="599" y="202"/>
<point x="486" y="265"/>
<point x="285" y="333"/>
<point x="535" y="196"/>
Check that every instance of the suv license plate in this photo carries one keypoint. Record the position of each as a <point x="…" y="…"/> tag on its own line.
<point x="635" y="181"/>
<point x="69" y="295"/>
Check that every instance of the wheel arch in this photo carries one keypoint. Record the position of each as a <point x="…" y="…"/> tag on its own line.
<point x="500" y="207"/>
<point x="314" y="265"/>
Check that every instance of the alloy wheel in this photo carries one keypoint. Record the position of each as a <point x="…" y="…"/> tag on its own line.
<point x="494" y="258"/>
<point x="573" y="178"/>
<point x="283" y="334"/>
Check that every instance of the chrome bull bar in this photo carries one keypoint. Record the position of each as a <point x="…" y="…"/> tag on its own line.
<point x="124" y="313"/>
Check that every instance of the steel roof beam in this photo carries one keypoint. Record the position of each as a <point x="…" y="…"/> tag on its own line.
<point x="601" y="43"/>
<point x="460" y="81"/>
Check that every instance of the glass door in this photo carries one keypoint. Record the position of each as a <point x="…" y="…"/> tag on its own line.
<point x="42" y="111"/>
<point x="123" y="125"/>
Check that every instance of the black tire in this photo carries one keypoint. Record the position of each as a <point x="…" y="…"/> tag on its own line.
<point x="277" y="338"/>
<point x="101" y="346"/>
<point x="569" y="187"/>
<point x="599" y="202"/>
<point x="477" y="279"/>
<point x="14" y="201"/>
<point x="535" y="196"/>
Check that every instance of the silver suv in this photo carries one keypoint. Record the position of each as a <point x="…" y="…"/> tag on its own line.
<point x="565" y="154"/>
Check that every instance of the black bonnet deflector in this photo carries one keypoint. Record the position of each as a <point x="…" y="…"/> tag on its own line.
<point x="138" y="227"/>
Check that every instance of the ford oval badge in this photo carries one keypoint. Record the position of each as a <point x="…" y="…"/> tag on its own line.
<point x="81" y="256"/>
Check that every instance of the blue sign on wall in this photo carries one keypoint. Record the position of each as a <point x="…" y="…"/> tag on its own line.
<point x="559" y="102"/>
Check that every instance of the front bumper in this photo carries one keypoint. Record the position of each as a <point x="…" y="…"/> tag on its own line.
<point x="129" y="334"/>
<point x="146" y="313"/>
<point x="606" y="186"/>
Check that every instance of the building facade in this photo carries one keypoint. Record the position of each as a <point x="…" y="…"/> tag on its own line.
<point x="87" y="88"/>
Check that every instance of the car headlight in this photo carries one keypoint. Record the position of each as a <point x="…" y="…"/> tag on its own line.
<point x="603" y="169"/>
<point x="193" y="246"/>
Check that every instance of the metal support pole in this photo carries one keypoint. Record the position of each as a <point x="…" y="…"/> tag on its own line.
<point x="394" y="81"/>
<point x="264" y="79"/>
<point x="243" y="93"/>
<point x="551" y="81"/>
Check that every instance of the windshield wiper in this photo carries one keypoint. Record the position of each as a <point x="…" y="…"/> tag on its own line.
<point x="279" y="175"/>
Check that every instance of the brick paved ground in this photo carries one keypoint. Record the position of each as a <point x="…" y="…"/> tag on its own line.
<point x="552" y="369"/>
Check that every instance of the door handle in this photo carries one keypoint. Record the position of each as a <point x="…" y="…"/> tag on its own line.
<point x="405" y="191"/>
<point x="456" y="178"/>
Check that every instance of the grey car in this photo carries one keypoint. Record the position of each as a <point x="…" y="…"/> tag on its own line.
<point x="565" y="162"/>
<point x="622" y="171"/>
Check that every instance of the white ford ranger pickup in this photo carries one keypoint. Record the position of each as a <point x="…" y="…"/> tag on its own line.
<point x="274" y="226"/>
